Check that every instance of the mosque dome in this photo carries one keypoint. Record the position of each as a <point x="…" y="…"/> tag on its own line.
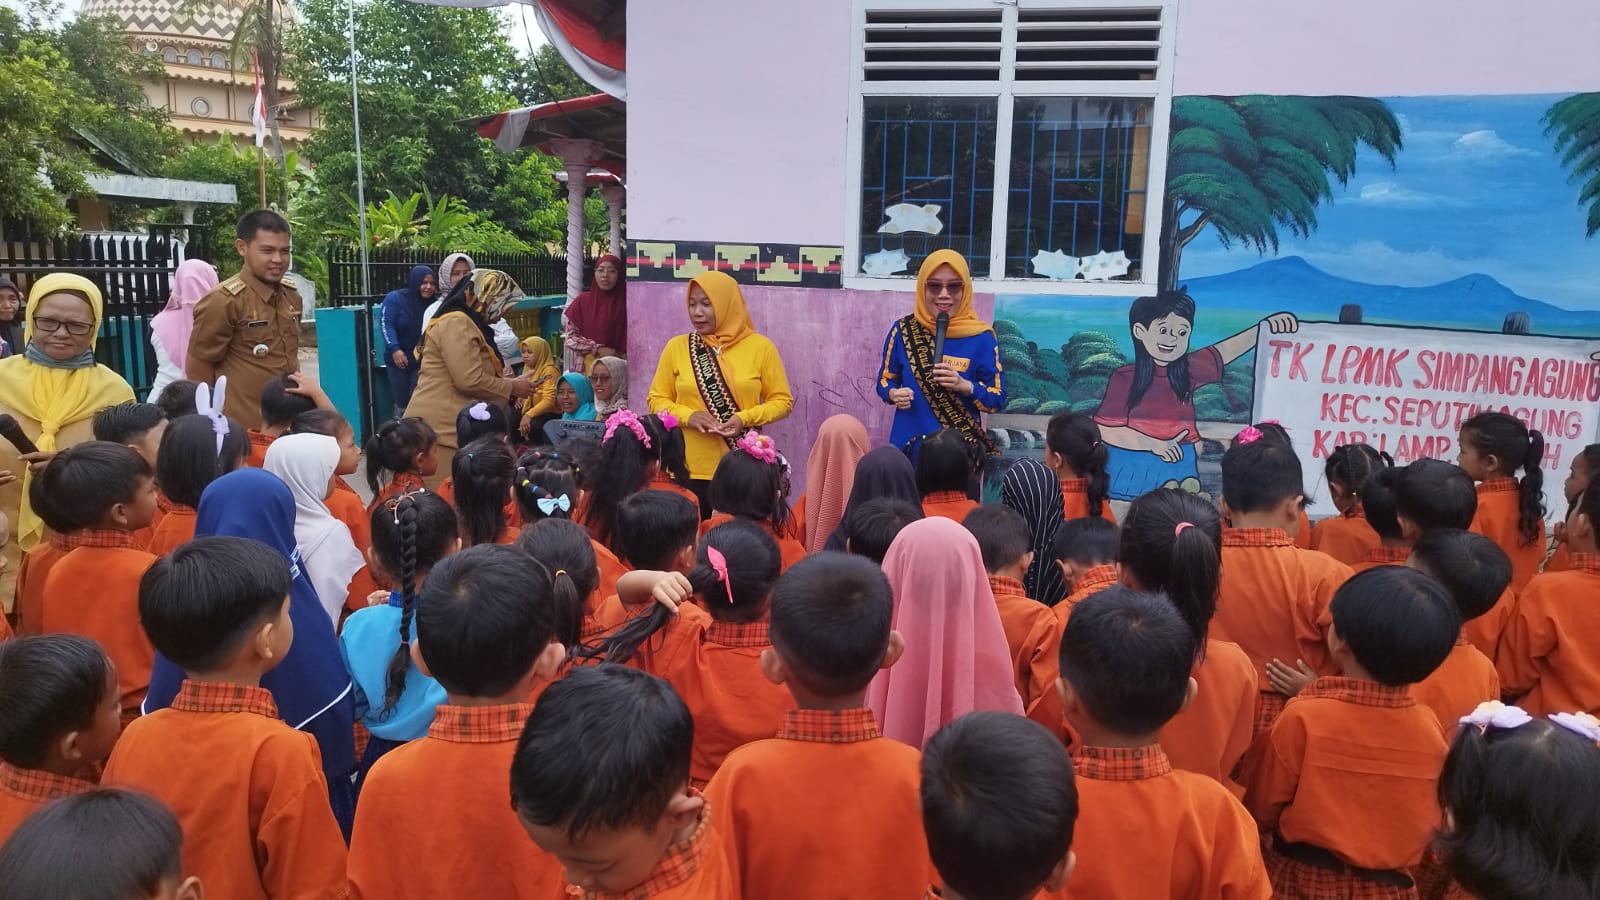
<point x="210" y="22"/>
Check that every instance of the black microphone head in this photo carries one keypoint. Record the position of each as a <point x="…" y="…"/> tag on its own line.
<point x="942" y="320"/>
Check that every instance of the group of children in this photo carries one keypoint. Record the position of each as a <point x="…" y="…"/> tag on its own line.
<point x="555" y="675"/>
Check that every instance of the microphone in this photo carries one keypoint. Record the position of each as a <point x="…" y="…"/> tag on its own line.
<point x="12" y="431"/>
<point x="940" y="325"/>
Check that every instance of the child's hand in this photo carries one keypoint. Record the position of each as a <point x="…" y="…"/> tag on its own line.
<point x="672" y="590"/>
<point x="1288" y="680"/>
<point x="377" y="598"/>
<point x="1282" y="323"/>
<point x="304" y="385"/>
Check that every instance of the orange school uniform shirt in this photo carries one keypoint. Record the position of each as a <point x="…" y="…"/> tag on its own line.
<point x="790" y="550"/>
<point x="1302" y="535"/>
<point x="1496" y="519"/>
<point x="697" y="868"/>
<point x="247" y="789"/>
<point x="1381" y="556"/>
<point x="1465" y="679"/>
<point x="402" y="483"/>
<point x="1272" y="595"/>
<point x="1560" y="560"/>
<point x="1147" y="830"/>
<point x="611" y="568"/>
<point x="1352" y="767"/>
<point x="176" y="527"/>
<point x="1033" y="635"/>
<point x="1075" y="501"/>
<point x="31" y="575"/>
<point x="258" y="447"/>
<point x="94" y="591"/>
<point x="24" y="791"/>
<point x="1212" y="733"/>
<point x="447" y="796"/>
<point x="1548" y="656"/>
<point x="827" y="809"/>
<point x="1087" y="585"/>
<point x="950" y="504"/>
<point x="1346" y="537"/>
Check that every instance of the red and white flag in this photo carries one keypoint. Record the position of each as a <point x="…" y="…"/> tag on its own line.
<point x="258" y="110"/>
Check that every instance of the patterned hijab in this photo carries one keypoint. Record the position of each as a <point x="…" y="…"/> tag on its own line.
<point x="493" y="292"/>
<point x="1030" y="488"/>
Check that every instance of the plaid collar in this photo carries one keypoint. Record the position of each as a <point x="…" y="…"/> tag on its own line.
<point x="39" y="785"/>
<point x="109" y="538"/>
<point x="479" y="724"/>
<point x="1356" y="511"/>
<point x="1256" y="537"/>
<point x="946" y="497"/>
<point x="1121" y="763"/>
<point x="65" y="542"/>
<point x="1388" y="556"/>
<point x="1359" y="691"/>
<point x="1584" y="562"/>
<point x="732" y="634"/>
<point x="681" y="862"/>
<point x="830" y="726"/>
<point x="1497" y="485"/>
<point x="1074" y="485"/>
<point x="1096" y="578"/>
<point x="260" y="439"/>
<point x="171" y="508"/>
<point x="1007" y="587"/>
<point x="218" y="697"/>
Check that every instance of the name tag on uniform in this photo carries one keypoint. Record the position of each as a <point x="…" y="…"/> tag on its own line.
<point x="960" y="364"/>
<point x="261" y="324"/>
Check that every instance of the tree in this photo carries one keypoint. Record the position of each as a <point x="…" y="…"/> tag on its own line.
<point x="1247" y="166"/>
<point x="260" y="38"/>
<point x="544" y="77"/>
<point x="223" y="162"/>
<point x="1575" y="123"/>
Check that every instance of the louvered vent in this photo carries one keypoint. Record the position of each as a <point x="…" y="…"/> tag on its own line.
<point x="1087" y="44"/>
<point x="955" y="45"/>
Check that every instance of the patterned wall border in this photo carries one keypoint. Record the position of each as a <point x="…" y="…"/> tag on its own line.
<point x="775" y="264"/>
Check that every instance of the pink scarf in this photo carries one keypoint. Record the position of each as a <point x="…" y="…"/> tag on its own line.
<point x="830" y="473"/>
<point x="194" y="279"/>
<point x="956" y="659"/>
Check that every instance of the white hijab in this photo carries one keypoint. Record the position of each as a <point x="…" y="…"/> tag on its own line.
<point x="306" y="463"/>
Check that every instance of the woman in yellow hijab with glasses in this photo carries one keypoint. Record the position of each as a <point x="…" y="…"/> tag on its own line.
<point x="53" y="388"/>
<point x="719" y="379"/>
<point x="953" y="392"/>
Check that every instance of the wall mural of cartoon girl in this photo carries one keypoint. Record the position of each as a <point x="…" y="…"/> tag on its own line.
<point x="1147" y="416"/>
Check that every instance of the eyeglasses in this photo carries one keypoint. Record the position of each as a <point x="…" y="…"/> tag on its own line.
<point x="51" y="326"/>
<point x="953" y="288"/>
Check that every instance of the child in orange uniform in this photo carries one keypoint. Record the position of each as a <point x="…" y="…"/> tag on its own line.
<point x="624" y="822"/>
<point x="657" y="531"/>
<point x="1274" y="433"/>
<point x="1475" y="571"/>
<point x="565" y="548"/>
<point x="140" y="426"/>
<point x="1074" y="451"/>
<point x="998" y="808"/>
<point x="1034" y="491"/>
<point x="104" y="843"/>
<point x="1030" y="627"/>
<point x="481" y="476"/>
<point x="186" y="464"/>
<point x="248" y="789"/>
<point x="1346" y="780"/>
<point x="750" y="484"/>
<point x="344" y="502"/>
<point x="37" y="563"/>
<point x="282" y="399"/>
<point x="487" y="625"/>
<point x="60" y="714"/>
<point x="1494" y="445"/>
<point x="1546" y="656"/>
<point x="1145" y="829"/>
<point x="872" y="526"/>
<point x="1583" y="469"/>
<point x="946" y="465"/>
<point x="638" y="454"/>
<point x="1272" y="593"/>
<point x="1347" y="537"/>
<point x="784" y="805"/>
<point x="1085" y="553"/>
<point x="399" y="455"/>
<point x="107" y="494"/>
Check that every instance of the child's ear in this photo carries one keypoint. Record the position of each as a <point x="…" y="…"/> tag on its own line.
<point x="190" y="890"/>
<point x="1063" y="871"/>
<point x="1491" y="463"/>
<point x="1027" y="559"/>
<point x="684" y="809"/>
<point x="1222" y="507"/>
<point x="1069" y="698"/>
<point x="70" y="747"/>
<point x="416" y="657"/>
<point x="265" y="637"/>
<point x="372" y="561"/>
<point x="772" y="666"/>
<point x="684" y="561"/>
<point x="119" y="514"/>
<point x="1068" y="571"/>
<point x="550" y="660"/>
<point x="1408" y="529"/>
<point x="1188" y="696"/>
<point x="891" y="653"/>
<point x="1053" y="459"/>
<point x="1289" y="511"/>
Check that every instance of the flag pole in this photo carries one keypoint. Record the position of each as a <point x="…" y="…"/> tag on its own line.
<point x="258" y="118"/>
<point x="361" y="181"/>
<point x="261" y="174"/>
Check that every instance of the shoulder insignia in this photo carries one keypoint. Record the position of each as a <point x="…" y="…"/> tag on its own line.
<point x="234" y="286"/>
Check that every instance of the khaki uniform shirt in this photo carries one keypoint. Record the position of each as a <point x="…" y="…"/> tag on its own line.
<point x="250" y="331"/>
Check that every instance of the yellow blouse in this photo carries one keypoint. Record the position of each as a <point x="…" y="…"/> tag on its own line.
<point x="754" y="373"/>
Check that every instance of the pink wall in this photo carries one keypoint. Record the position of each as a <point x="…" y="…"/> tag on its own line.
<point x="830" y="342"/>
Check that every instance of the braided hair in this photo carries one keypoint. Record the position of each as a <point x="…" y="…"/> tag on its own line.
<point x="410" y="534"/>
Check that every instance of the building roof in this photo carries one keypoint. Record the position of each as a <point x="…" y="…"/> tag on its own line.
<point x="208" y="20"/>
<point x="597" y="117"/>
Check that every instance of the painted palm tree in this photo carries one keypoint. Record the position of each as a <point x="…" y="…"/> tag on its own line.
<point x="1248" y="166"/>
<point x="1575" y="123"/>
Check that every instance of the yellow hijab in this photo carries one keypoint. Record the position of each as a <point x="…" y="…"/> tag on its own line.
<point x="537" y="358"/>
<point x="55" y="398"/>
<point x="963" y="321"/>
<point x="733" y="320"/>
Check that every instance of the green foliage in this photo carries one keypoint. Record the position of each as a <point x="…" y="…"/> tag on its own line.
<point x="443" y="226"/>
<point x="543" y="77"/>
<point x="1575" y="124"/>
<point x="222" y="162"/>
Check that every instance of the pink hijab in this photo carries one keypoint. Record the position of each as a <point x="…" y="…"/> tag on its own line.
<point x="956" y="659"/>
<point x="194" y="279"/>
<point x="830" y="473"/>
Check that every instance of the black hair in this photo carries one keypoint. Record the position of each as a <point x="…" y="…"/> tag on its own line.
<point x="1128" y="656"/>
<point x="1352" y="467"/>
<point x="753" y="564"/>
<point x="410" y="534"/>
<point x="946" y="461"/>
<point x="1591" y="458"/>
<point x="830" y="617"/>
<point x="1076" y="438"/>
<point x="199" y="603"/>
<point x="1145" y="311"/>
<point x="178" y="399"/>
<point x="998" y="805"/>
<point x="1260" y="475"/>
<point x="326" y="422"/>
<point x="278" y="406"/>
<point x="127" y="422"/>
<point x="1380" y="502"/>
<point x="1588" y="503"/>
<point x="1431" y="494"/>
<point x="557" y="778"/>
<point x="1516" y="446"/>
<point x="260" y="220"/>
<point x="393" y="446"/>
<point x="623" y="469"/>
<point x="483" y="471"/>
<point x="497" y="422"/>
<point x="747" y="488"/>
<point x="1523" y="824"/>
<point x="563" y="548"/>
<point x="1172" y="543"/>
<point x="188" y="460"/>
<point x="84" y="481"/>
<point x="585" y="454"/>
<point x="1398" y="623"/>
<point x="1086" y="541"/>
<point x="1471" y="567"/>
<point x="876" y="523"/>
<point x="50" y="685"/>
<point x="654" y="526"/>
<point x="545" y="475"/>
<point x="103" y="844"/>
<point x="483" y="617"/>
<point x="1002" y="534"/>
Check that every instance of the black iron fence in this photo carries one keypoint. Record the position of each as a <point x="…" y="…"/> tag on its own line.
<point x="536" y="273"/>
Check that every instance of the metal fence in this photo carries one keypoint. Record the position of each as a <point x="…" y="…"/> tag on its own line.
<point x="536" y="273"/>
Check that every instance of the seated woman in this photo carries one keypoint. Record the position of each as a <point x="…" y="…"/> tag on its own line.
<point x="595" y="323"/>
<point x="609" y="376"/>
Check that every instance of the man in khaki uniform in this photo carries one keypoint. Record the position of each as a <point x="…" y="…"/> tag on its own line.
<point x="248" y="327"/>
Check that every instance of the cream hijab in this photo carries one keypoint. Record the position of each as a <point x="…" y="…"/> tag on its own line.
<point x="306" y="463"/>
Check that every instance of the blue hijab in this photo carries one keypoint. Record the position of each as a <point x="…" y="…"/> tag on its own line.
<point x="401" y="314"/>
<point x="310" y="686"/>
<point x="585" y="390"/>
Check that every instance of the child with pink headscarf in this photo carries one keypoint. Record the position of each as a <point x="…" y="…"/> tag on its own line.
<point x="169" y="330"/>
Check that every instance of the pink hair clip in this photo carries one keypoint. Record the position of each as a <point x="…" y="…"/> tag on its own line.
<point x="719" y="564"/>
<point x="1249" y="435"/>
<point x="759" y="446"/>
<point x="627" y="419"/>
<point x="668" y="420"/>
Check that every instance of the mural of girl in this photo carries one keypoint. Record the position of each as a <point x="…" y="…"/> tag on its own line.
<point x="1146" y="417"/>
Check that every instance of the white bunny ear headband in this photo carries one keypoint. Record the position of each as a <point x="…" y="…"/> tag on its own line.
<point x="211" y="407"/>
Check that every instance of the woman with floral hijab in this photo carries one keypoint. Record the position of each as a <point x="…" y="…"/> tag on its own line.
<point x="457" y="362"/>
